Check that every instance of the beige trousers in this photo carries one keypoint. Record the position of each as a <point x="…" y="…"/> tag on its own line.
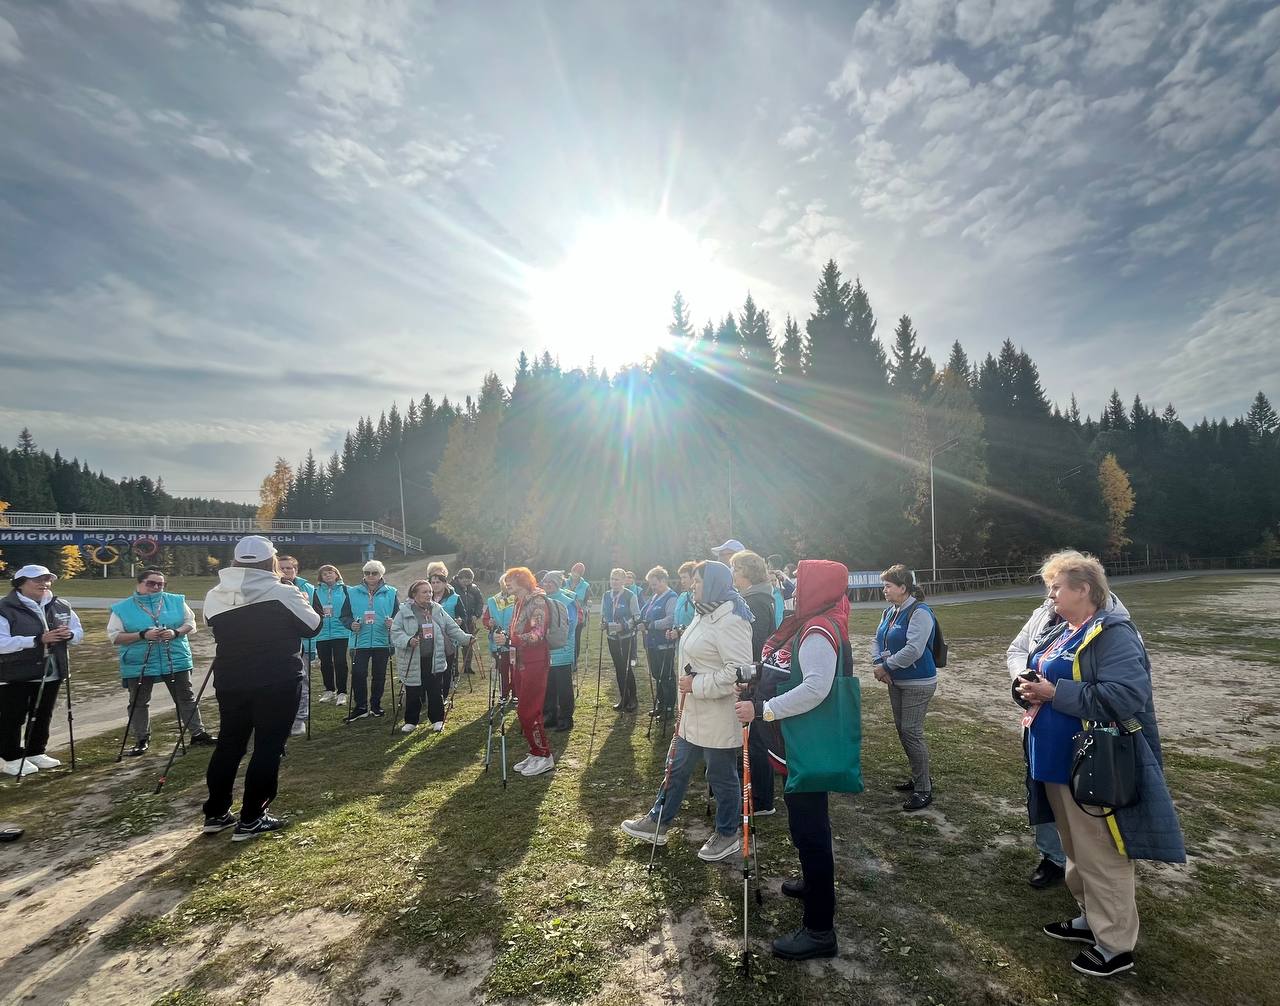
<point x="1098" y="876"/>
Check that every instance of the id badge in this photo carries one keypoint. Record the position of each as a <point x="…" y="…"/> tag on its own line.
<point x="328" y="611"/>
<point x="368" y="618"/>
<point x="428" y="632"/>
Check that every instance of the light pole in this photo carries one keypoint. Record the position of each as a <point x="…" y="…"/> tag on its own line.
<point x="933" y="522"/>
<point x="404" y="529"/>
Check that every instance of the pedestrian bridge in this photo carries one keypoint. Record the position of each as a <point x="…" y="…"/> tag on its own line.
<point x="104" y="534"/>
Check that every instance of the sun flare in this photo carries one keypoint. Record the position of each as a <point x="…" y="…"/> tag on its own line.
<point x="610" y="298"/>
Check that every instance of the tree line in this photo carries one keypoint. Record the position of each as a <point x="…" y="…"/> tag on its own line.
<point x="810" y="439"/>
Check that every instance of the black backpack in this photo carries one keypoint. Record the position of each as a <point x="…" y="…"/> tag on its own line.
<point x="938" y="645"/>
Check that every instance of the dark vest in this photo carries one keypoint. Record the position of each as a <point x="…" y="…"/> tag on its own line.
<point x="28" y="665"/>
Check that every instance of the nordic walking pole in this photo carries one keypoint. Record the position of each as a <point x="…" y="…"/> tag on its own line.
<point x="666" y="778"/>
<point x="747" y="810"/>
<point x="32" y="712"/>
<point x="71" y="730"/>
<point x="182" y="728"/>
<point x="133" y="701"/>
<point x="599" y="673"/>
<point x="307" y="644"/>
<point x="169" y="685"/>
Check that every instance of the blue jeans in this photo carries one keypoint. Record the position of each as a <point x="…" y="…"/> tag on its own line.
<point x="722" y="774"/>
<point x="1050" y="843"/>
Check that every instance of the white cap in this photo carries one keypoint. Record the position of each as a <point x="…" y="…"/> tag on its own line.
<point x="254" y="548"/>
<point x="31" y="572"/>
<point x="732" y="545"/>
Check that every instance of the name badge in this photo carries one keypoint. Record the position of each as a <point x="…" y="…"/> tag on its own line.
<point x="428" y="632"/>
<point x="328" y="611"/>
<point x="368" y="618"/>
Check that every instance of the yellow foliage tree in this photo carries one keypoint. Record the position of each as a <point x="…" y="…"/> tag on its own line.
<point x="4" y="505"/>
<point x="275" y="487"/>
<point x="70" y="562"/>
<point x="1118" y="498"/>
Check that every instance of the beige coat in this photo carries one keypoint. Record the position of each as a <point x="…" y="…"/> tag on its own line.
<point x="713" y="645"/>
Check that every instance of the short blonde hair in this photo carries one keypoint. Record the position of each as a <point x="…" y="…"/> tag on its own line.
<point x="1081" y="570"/>
<point x="687" y="567"/>
<point x="617" y="571"/>
<point x="437" y="567"/>
<point x="329" y="566"/>
<point x="374" y="566"/>
<point x="750" y="565"/>
<point x="660" y="572"/>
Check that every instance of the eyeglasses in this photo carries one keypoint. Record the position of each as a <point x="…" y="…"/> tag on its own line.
<point x="153" y="583"/>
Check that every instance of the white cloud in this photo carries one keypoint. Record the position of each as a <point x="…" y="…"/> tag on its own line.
<point x="10" y="44"/>
<point x="798" y="137"/>
<point x="979" y="22"/>
<point x="773" y="218"/>
<point x="159" y="10"/>
<point x="1122" y="35"/>
<point x="219" y="149"/>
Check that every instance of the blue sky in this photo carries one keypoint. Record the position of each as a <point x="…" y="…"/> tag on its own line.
<point x="232" y="226"/>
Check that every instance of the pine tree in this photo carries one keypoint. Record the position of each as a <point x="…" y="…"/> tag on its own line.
<point x="958" y="363"/>
<point x="680" y="330"/>
<point x="792" y="355"/>
<point x="904" y="371"/>
<point x="1261" y="420"/>
<point x="26" y="444"/>
<point x="755" y="338"/>
<point x="493" y="396"/>
<point x="522" y="366"/>
<point x="1114" y="416"/>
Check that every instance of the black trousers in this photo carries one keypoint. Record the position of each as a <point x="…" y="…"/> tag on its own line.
<point x="266" y="715"/>
<point x="622" y="650"/>
<point x="811" y="834"/>
<point x="434" y="687"/>
<point x="662" y="668"/>
<point x="333" y="664"/>
<point x="557" y="707"/>
<point x="577" y="641"/>
<point x="360" y="659"/>
<point x="17" y="703"/>
<point x="761" y="768"/>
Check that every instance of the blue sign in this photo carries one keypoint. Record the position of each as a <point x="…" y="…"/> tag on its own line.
<point x="864" y="579"/>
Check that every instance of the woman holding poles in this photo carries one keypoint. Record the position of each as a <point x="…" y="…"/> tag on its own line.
<point x="35" y="630"/>
<point x="150" y="629"/>
<point x="658" y="616"/>
<point x="419" y="632"/>
<point x="373" y="603"/>
<point x="528" y="635"/>
<point x="454" y="606"/>
<point x="332" y="601"/>
<point x="620" y="611"/>
<point x="497" y="618"/>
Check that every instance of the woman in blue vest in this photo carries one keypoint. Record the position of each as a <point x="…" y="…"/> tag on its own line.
<point x="903" y="659"/>
<point x="620" y="611"/>
<point x="497" y="618"/>
<point x="332" y="602"/>
<point x="373" y="605"/>
<point x="659" y="617"/>
<point x="684" y="602"/>
<point x="150" y="628"/>
<point x="35" y="630"/>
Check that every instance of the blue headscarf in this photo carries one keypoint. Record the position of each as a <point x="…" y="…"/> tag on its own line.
<point x="717" y="587"/>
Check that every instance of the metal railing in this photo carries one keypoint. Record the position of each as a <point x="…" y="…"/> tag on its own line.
<point x="953" y="580"/>
<point x="218" y="525"/>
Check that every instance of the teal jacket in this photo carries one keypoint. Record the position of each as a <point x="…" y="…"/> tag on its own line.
<point x="384" y="605"/>
<point x="684" y="609"/>
<point x="336" y="624"/>
<point x="154" y="660"/>
<point x="499" y="619"/>
<point x="778" y="607"/>
<point x="309" y="592"/>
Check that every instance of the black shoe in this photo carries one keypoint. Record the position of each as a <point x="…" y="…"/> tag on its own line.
<point x="804" y="944"/>
<point x="563" y="728"/>
<point x="204" y="739"/>
<point x="264" y="824"/>
<point x="793" y="887"/>
<point x="619" y="707"/>
<point x="1046" y="874"/>
<point x="213" y="825"/>
<point x="468" y="671"/>
<point x="139" y="749"/>
<point x="1066" y="931"/>
<point x="906" y="786"/>
<point x="631" y="707"/>
<point x="1091" y="962"/>
<point x="356" y="714"/>
<point x="376" y="712"/>
<point x="548" y="724"/>
<point x="918" y="801"/>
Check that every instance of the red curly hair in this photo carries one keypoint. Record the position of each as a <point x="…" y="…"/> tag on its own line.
<point x="521" y="576"/>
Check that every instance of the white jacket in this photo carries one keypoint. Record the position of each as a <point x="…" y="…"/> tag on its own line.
<point x="712" y="646"/>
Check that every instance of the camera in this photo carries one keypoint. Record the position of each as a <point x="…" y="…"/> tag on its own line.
<point x="747" y="674"/>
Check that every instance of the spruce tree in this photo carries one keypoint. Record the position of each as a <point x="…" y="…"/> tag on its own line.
<point x="904" y="371"/>
<point x="1261" y="419"/>
<point x="792" y="360"/>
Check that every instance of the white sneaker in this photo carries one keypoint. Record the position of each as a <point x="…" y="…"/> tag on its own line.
<point x="438" y="727"/>
<point x="299" y="728"/>
<point x="43" y="761"/>
<point x="518" y="766"/>
<point x="18" y="765"/>
<point x="326" y="697"/>
<point x="408" y="728"/>
<point x="537" y="766"/>
<point x="340" y="699"/>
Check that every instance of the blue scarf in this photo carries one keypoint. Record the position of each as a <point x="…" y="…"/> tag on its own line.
<point x="717" y="587"/>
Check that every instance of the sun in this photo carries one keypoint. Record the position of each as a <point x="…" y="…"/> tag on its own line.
<point x="609" y="300"/>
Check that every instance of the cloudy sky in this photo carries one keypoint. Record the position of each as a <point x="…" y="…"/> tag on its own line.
<point x="230" y="227"/>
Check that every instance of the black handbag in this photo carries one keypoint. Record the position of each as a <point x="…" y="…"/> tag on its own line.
<point x="1104" y="765"/>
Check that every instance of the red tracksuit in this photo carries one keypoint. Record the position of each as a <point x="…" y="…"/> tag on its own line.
<point x="533" y="662"/>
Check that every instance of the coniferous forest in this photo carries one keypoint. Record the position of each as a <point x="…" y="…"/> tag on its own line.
<point x="805" y="438"/>
<point x="801" y="437"/>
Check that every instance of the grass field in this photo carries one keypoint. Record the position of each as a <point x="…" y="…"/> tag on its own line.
<point x="409" y="874"/>
<point x="193" y="587"/>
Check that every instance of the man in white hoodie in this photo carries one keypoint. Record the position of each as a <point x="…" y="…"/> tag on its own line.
<point x="258" y="625"/>
<point x="1053" y="858"/>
